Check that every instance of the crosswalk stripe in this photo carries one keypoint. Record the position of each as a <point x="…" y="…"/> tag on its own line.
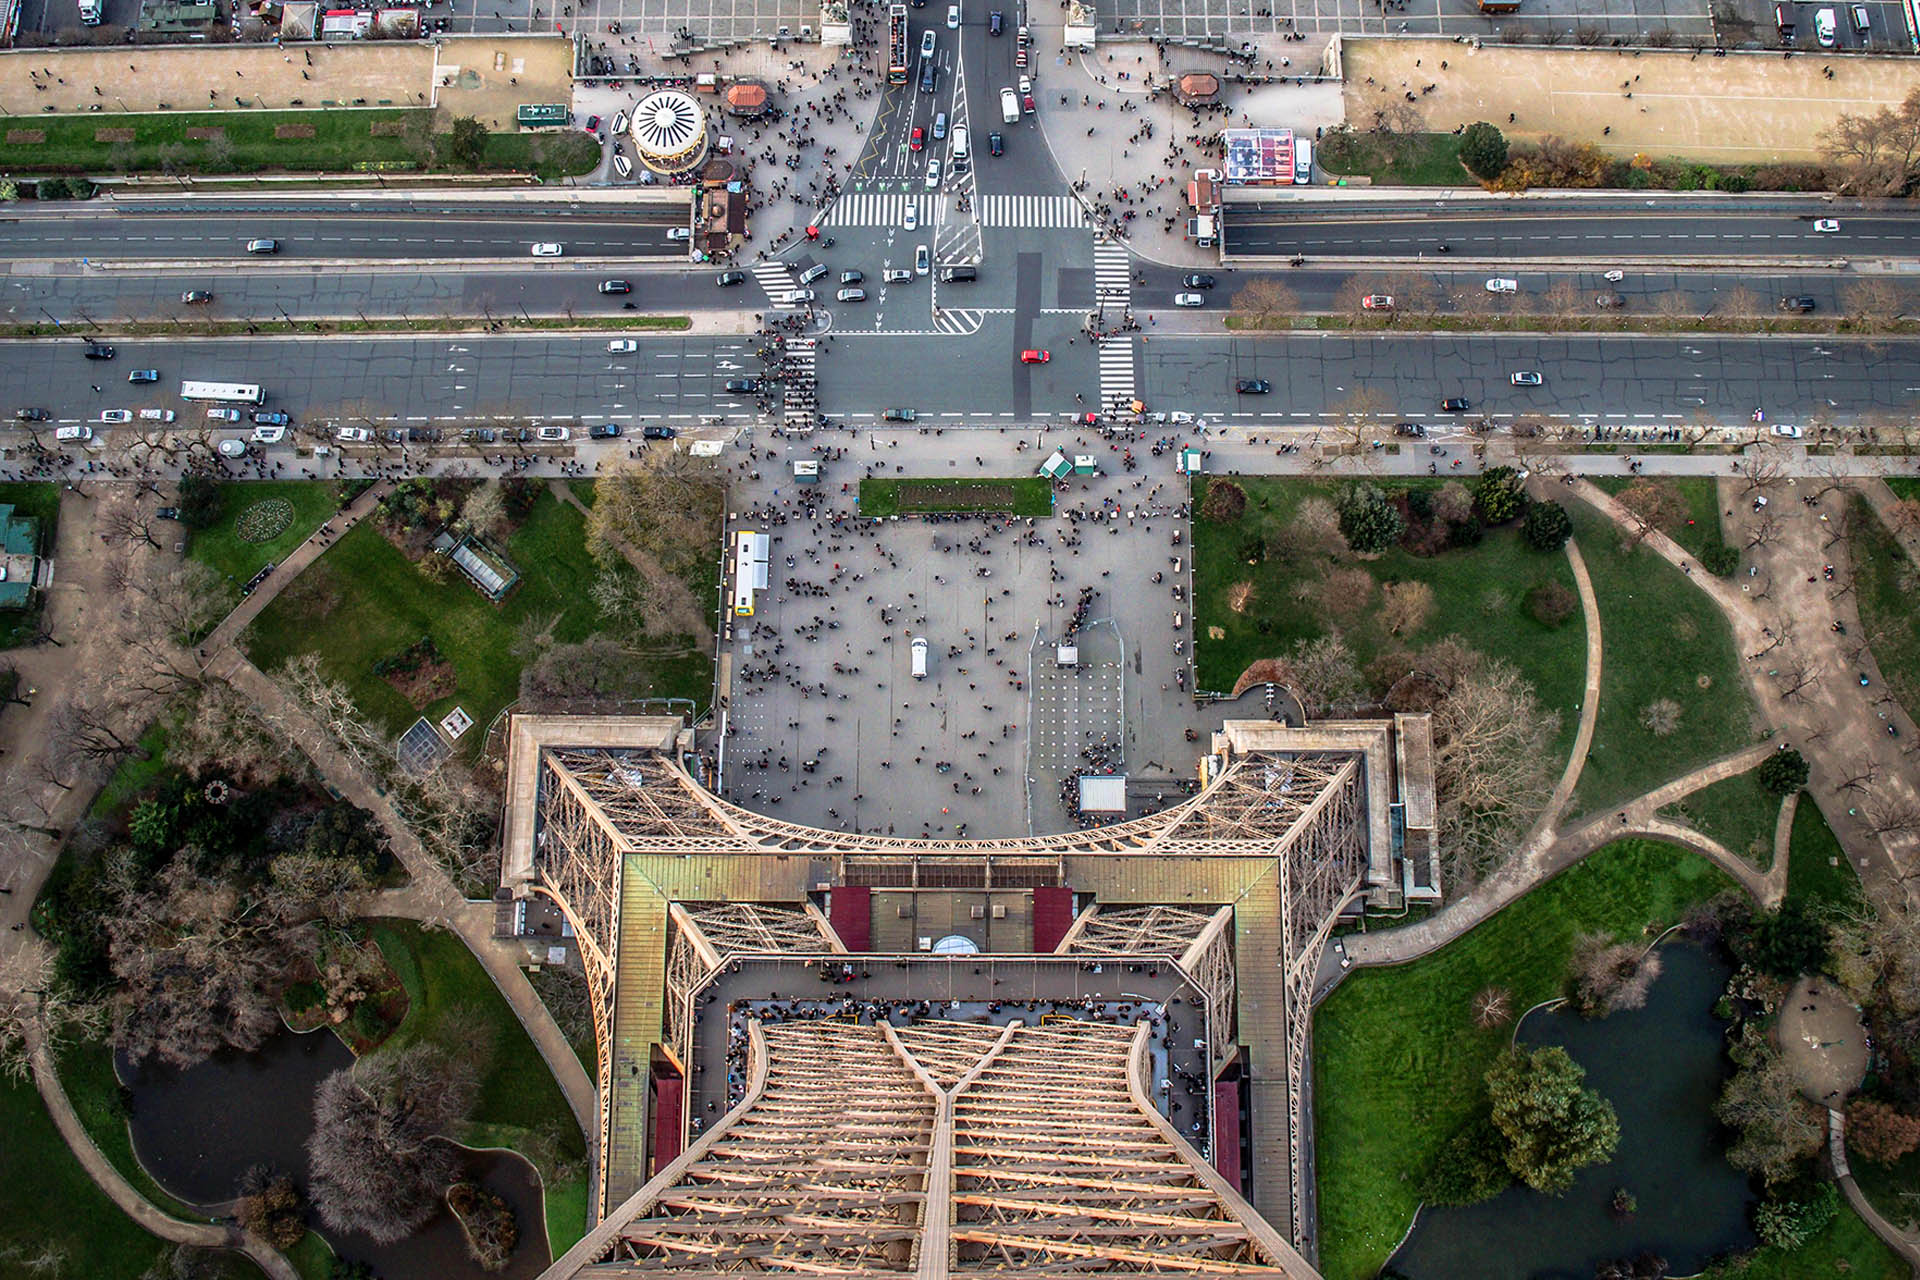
<point x="877" y="209"/>
<point x="798" y="403"/>
<point x="777" y="280"/>
<point x="1031" y="211"/>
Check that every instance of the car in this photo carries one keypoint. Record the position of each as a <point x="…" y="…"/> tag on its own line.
<point x="1826" y="224"/>
<point x="1410" y="429"/>
<point x="98" y="351"/>
<point x="1615" y="276"/>
<point x="263" y="246"/>
<point x="1189" y="299"/>
<point x="1033" y="355"/>
<point x="68" y="435"/>
<point x="851" y="295"/>
<point x="622" y="346"/>
<point x="1009" y="106"/>
<point x="616" y="286"/>
<point x="657" y="433"/>
<point x="31" y="415"/>
<point x="679" y="235"/>
<point x="917" y="140"/>
<point x="1026" y="103"/>
<point x="939" y="126"/>
<point x="622" y="165"/>
<point x="1786" y="432"/>
<point x="194" y="297"/>
<point x="516" y="435"/>
<point x="392" y="435"/>
<point x="853" y="277"/>
<point x="1862" y="23"/>
<point x="547" y="249"/>
<point x="927" y="39"/>
<point x="143" y="375"/>
<point x="271" y="418"/>
<point x="899" y="415"/>
<point x="157" y="415"/>
<point x="1026" y="86"/>
<point x="553" y="435"/>
<point x="933" y="172"/>
<point x="1198" y="280"/>
<point x="953" y="17"/>
<point x="1501" y="285"/>
<point x="223" y="415"/>
<point x="1253" y="386"/>
<point x="1455" y="404"/>
<point x="996" y="23"/>
<point x="1377" y="302"/>
<point x="479" y="435"/>
<point x="116" y="415"/>
<point x="1826" y="28"/>
<point x="1609" y="301"/>
<point x="896" y="275"/>
<point x="593" y="124"/>
<point x="423" y="435"/>
<point x="929" y="74"/>
<point x="268" y="435"/>
<point x="232" y="448"/>
<point x="353" y="435"/>
<point x="922" y="260"/>
<point x="1801" y="303"/>
<point x="1526" y="378"/>
<point x="167" y="513"/>
<point x="748" y="385"/>
<point x="727" y="279"/>
<point x="605" y="431"/>
<point x="797" y="296"/>
<point x="996" y="145"/>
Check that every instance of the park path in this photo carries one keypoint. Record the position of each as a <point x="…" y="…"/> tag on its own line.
<point x="202" y="1235"/>
<point x="430" y="896"/>
<point x="1543" y="830"/>
<point x="287" y="570"/>
<point x="1904" y="1243"/>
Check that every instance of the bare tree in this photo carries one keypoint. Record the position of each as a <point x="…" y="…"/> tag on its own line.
<point x="380" y="1156"/>
<point x="1407" y="606"/>
<point x="1264" y="298"/>
<point x="1740" y="302"/>
<point x="1891" y="814"/>
<point x="126" y="523"/>
<point x="1611" y="976"/>
<point x="1880" y="150"/>
<point x="1764" y="530"/>
<point x="37" y="1008"/>
<point x="1874" y="301"/>
<point x="92" y="734"/>
<point x="1795" y="677"/>
<point x="1493" y="765"/>
<point x="1861" y="775"/>
<point x="1761" y="469"/>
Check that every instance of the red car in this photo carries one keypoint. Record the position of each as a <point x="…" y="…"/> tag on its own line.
<point x="1030" y="356"/>
<point x="593" y="124"/>
<point x="1026" y="101"/>
<point x="918" y="140"/>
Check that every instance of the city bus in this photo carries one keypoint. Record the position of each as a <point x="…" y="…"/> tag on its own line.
<point x="223" y="392"/>
<point x="897" y="44"/>
<point x="750" y="553"/>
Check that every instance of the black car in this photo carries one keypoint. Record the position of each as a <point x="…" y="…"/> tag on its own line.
<point x="996" y="22"/>
<point x="605" y="431"/>
<point x="270" y="418"/>
<point x="144" y="375"/>
<point x="1253" y="386"/>
<point x="1801" y="304"/>
<point x="615" y="286"/>
<point x="1413" y="429"/>
<point x="517" y="435"/>
<point x="167" y="513"/>
<point x="851" y="277"/>
<point x="479" y="435"/>
<point x="1455" y="404"/>
<point x="392" y="435"/>
<point x="657" y="433"/>
<point x="994" y="144"/>
<point x="748" y="385"/>
<point x="726" y="278"/>
<point x="1198" y="280"/>
<point x="423" y="435"/>
<point x="196" y="296"/>
<point x="99" y="351"/>
<point x="31" y="415"/>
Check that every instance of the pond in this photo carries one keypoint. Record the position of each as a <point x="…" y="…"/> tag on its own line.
<point x="196" y="1131"/>
<point x="1662" y="1068"/>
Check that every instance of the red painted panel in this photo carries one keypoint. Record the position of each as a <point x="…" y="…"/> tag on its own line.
<point x="850" y="912"/>
<point x="1052" y="916"/>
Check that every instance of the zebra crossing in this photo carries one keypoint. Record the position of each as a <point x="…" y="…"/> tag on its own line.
<point x="799" y="405"/>
<point x="956" y="320"/>
<point x="879" y="209"/>
<point x="1116" y="371"/>
<point x="1112" y="275"/>
<point x="777" y="280"/>
<point x="1031" y="211"/>
<point x="1113" y="298"/>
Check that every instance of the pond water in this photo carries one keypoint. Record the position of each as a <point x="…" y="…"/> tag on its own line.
<point x="196" y="1131"/>
<point x="1662" y="1068"/>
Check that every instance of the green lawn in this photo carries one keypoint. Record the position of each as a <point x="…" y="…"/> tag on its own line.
<point x="518" y="1097"/>
<point x="1398" y="1061"/>
<point x="1413" y="159"/>
<point x="1663" y="639"/>
<point x="133" y="776"/>
<point x="1738" y="812"/>
<point x="1845" y="1249"/>
<point x="220" y="546"/>
<point x="363" y="600"/>
<point x="1699" y="529"/>
<point x="1886" y="604"/>
<point x="86" y="1071"/>
<point x="1817" y="867"/>
<point x="1022" y="495"/>
<point x="1479" y="595"/>
<point x="312" y="1257"/>
<point x="41" y="501"/>
<point x="1904" y="486"/>
<point x="341" y="141"/>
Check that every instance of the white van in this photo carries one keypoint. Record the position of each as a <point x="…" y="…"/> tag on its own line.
<point x="1302" y="162"/>
<point x="1009" y="107"/>
<point x="960" y="145"/>
<point x="919" y="657"/>
<point x="1825" y="27"/>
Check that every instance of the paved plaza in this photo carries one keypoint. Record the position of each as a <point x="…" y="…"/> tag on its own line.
<point x="827" y="726"/>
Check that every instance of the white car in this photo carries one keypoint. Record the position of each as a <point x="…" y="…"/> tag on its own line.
<point x="1827" y="224"/>
<point x="1615" y="276"/>
<point x="223" y="415"/>
<point x="1179" y="417"/>
<point x="1026" y="86"/>
<point x="1498" y="285"/>
<point x="116" y="415"/>
<point x="71" y="435"/>
<point x="852" y="295"/>
<point x="622" y="347"/>
<point x="933" y="174"/>
<point x="912" y="221"/>
<point x="1786" y="432"/>
<point x="927" y="39"/>
<point x="157" y="415"/>
<point x="554" y="435"/>
<point x="1189" y="299"/>
<point x="547" y="249"/>
<point x="1527" y="378"/>
<point x="798" y="296"/>
<point x="679" y="233"/>
<point x="896" y="275"/>
<point x="953" y="17"/>
<point x="353" y="435"/>
<point x="269" y="435"/>
<point x="922" y="260"/>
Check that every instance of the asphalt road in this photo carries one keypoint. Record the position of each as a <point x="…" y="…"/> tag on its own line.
<point x="195" y="230"/>
<point x="1621" y="231"/>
